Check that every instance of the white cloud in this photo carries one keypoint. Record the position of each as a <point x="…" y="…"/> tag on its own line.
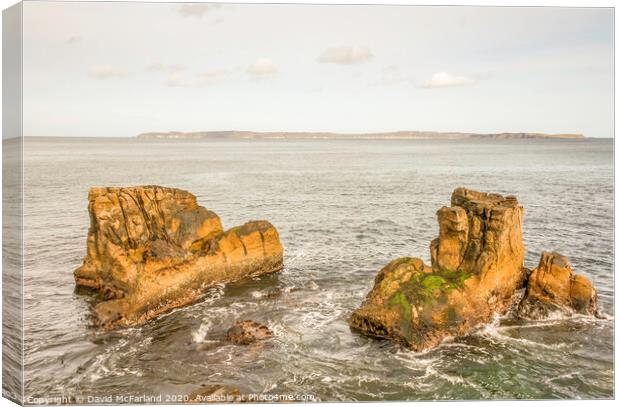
<point x="262" y="67"/>
<point x="446" y="80"/>
<point x="179" y="80"/>
<point x="107" y="72"/>
<point x="345" y="55"/>
<point x="157" y="67"/>
<point x="217" y="73"/>
<point x="196" y="9"/>
<point x="390" y="75"/>
<point x="176" y="68"/>
<point x="74" y="39"/>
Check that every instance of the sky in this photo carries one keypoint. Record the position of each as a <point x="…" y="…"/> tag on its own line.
<point x="120" y="69"/>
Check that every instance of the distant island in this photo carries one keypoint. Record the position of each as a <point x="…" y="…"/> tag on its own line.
<point x="398" y="135"/>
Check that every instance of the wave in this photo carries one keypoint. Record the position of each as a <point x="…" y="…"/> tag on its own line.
<point x="201" y="333"/>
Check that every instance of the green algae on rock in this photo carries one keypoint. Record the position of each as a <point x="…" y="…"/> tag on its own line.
<point x="477" y="267"/>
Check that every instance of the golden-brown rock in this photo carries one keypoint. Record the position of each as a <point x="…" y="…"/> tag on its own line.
<point x="477" y="265"/>
<point x="553" y="288"/>
<point x="477" y="268"/>
<point x="150" y="249"/>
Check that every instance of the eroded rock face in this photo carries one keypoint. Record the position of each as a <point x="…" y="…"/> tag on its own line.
<point x="245" y="332"/>
<point x="553" y="288"/>
<point x="150" y="249"/>
<point x="477" y="264"/>
<point x="481" y="235"/>
<point x="477" y="267"/>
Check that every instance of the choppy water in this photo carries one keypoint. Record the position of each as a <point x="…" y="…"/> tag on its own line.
<point x="343" y="210"/>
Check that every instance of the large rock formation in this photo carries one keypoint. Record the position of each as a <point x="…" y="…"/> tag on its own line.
<point x="477" y="266"/>
<point x="150" y="249"/>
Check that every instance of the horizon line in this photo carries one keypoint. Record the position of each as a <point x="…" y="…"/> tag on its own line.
<point x="583" y="137"/>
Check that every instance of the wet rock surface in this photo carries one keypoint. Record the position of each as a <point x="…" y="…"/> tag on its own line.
<point x="477" y="267"/>
<point x="553" y="288"/>
<point x="246" y="332"/>
<point x="151" y="249"/>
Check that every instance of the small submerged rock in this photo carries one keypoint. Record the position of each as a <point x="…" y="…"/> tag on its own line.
<point x="477" y="268"/>
<point x="245" y="332"/>
<point x="274" y="293"/>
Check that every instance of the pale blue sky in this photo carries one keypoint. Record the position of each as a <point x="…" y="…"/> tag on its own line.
<point x="119" y="69"/>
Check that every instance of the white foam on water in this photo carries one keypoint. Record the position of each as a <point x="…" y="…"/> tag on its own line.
<point x="453" y="379"/>
<point x="456" y="380"/>
<point x="569" y="375"/>
<point x="557" y="318"/>
<point x="494" y="333"/>
<point x="98" y="366"/>
<point x="414" y="360"/>
<point x="311" y="285"/>
<point x="201" y="333"/>
<point x="367" y="379"/>
<point x="452" y="343"/>
<point x="257" y="294"/>
<point x="287" y="338"/>
<point x="293" y="260"/>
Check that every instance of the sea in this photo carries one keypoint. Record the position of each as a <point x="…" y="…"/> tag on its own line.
<point x="343" y="209"/>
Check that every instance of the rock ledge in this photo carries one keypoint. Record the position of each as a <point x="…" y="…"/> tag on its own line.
<point x="151" y="249"/>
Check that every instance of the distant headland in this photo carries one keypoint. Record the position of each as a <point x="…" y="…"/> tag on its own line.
<point x="398" y="135"/>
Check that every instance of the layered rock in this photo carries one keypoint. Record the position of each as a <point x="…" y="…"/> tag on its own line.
<point x="476" y="269"/>
<point x="553" y="289"/>
<point x="150" y="249"/>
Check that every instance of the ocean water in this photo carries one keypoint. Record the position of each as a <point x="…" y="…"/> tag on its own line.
<point x="343" y="209"/>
